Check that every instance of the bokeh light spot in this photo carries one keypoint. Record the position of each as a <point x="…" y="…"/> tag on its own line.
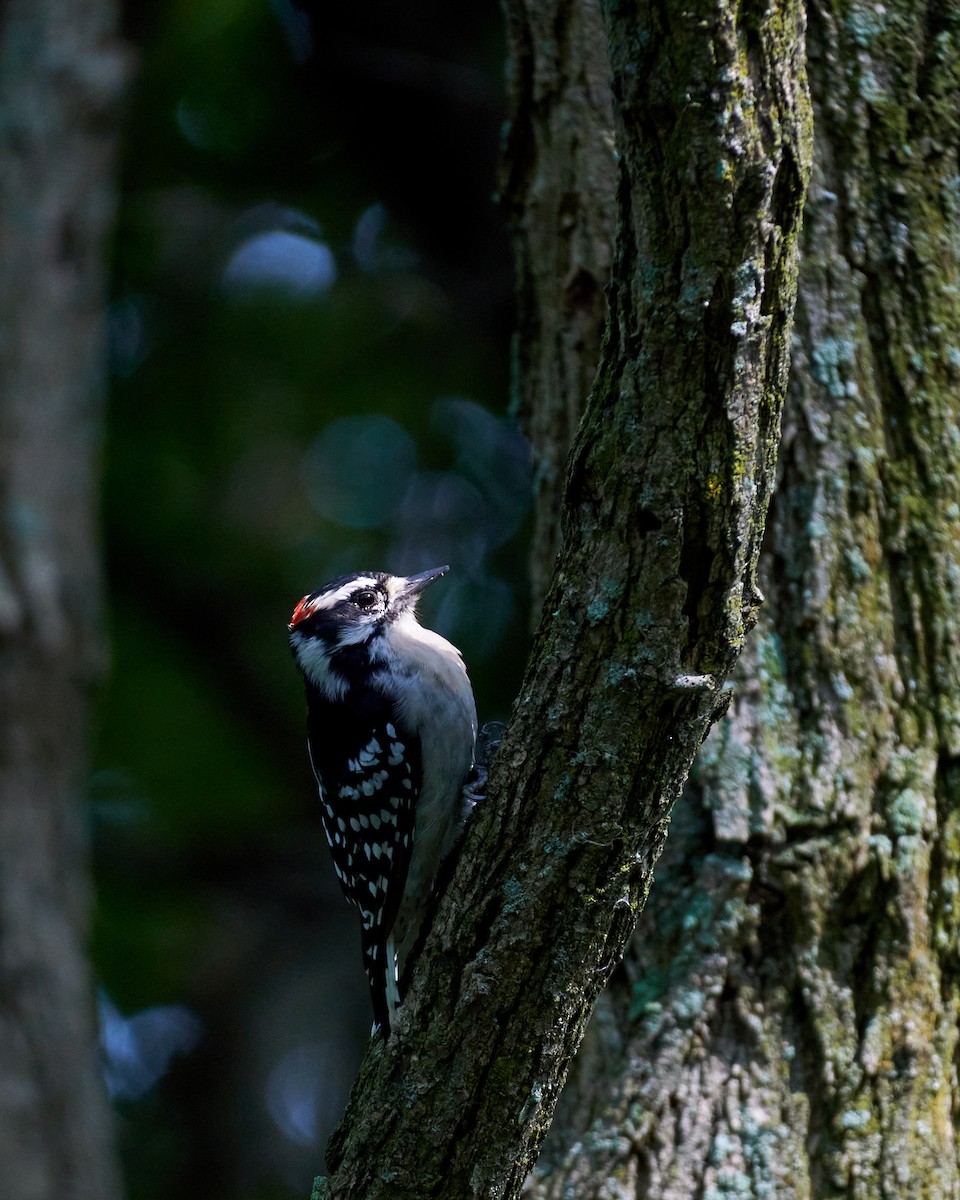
<point x="358" y="470"/>
<point x="281" y="261"/>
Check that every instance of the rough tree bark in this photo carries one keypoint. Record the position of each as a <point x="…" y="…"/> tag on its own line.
<point x="786" y="1020"/>
<point x="60" y="74"/>
<point x="649" y="607"/>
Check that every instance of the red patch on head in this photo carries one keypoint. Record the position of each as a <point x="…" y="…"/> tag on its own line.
<point x="300" y="612"/>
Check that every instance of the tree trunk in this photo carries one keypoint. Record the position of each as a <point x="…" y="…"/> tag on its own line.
<point x="559" y="190"/>
<point x="786" y="1023"/>
<point x="60" y="74"/>
<point x="648" y="610"/>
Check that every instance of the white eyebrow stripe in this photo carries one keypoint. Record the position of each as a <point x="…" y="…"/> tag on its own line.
<point x="330" y="600"/>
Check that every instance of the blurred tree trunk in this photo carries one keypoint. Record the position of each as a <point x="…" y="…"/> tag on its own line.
<point x="785" y="1023"/>
<point x="60" y="75"/>
<point x="649" y="604"/>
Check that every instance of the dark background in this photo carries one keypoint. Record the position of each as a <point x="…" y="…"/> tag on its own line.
<point x="309" y="339"/>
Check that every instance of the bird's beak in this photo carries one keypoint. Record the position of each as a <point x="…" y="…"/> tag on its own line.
<point x="415" y="584"/>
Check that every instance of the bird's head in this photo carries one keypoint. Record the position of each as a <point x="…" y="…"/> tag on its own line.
<point x="339" y="625"/>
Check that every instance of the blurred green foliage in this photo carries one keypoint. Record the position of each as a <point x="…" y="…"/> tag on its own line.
<point x="363" y="144"/>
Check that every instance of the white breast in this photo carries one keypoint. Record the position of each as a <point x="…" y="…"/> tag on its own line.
<point x="435" y="698"/>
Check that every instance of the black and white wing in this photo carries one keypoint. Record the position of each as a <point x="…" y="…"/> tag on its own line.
<point x="369" y="786"/>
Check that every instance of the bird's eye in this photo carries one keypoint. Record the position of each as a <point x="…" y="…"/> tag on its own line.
<point x="367" y="598"/>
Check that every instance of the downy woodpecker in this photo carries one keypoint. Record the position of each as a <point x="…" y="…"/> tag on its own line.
<point x="391" y="732"/>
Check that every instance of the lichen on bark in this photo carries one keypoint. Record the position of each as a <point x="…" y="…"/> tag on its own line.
<point x="789" y="1008"/>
